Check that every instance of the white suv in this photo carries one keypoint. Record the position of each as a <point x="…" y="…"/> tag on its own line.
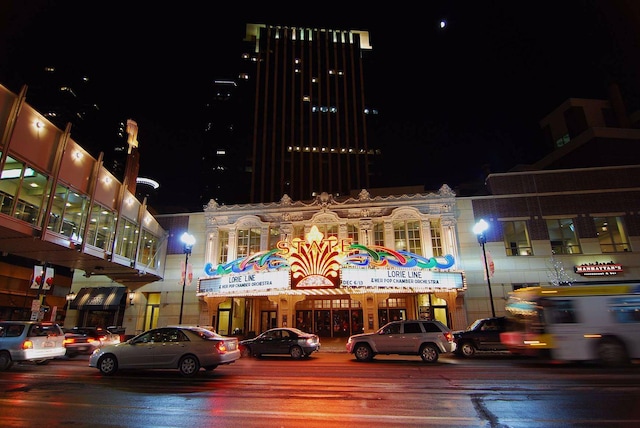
<point x="33" y="341"/>
<point x="426" y="338"/>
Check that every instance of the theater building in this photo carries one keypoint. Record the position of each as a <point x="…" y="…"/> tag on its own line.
<point x="328" y="266"/>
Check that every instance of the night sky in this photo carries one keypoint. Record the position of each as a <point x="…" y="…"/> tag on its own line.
<point x="450" y="99"/>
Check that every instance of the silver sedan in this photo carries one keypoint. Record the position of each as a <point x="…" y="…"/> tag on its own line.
<point x="184" y="348"/>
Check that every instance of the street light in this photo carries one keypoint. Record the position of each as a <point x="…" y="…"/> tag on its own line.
<point x="480" y="227"/>
<point x="69" y="298"/>
<point x="188" y="241"/>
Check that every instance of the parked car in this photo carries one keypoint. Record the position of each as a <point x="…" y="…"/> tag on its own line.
<point x="84" y="340"/>
<point x="292" y="341"/>
<point x="29" y="341"/>
<point x="426" y="338"/>
<point x="179" y="347"/>
<point x="482" y="335"/>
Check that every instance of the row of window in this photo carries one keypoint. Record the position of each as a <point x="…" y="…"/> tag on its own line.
<point x="24" y="194"/>
<point x="622" y="310"/>
<point x="407" y="236"/>
<point x="564" y="238"/>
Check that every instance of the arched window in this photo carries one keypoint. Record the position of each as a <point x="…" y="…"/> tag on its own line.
<point x="407" y="236"/>
<point x="248" y="241"/>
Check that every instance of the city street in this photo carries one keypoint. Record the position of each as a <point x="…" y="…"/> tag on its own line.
<point x="330" y="389"/>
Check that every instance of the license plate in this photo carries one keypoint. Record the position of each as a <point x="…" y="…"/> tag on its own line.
<point x="49" y="344"/>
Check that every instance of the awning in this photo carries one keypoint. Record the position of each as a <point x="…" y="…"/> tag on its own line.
<point x="97" y="298"/>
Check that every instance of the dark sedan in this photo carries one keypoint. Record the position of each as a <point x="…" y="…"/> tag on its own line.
<point x="284" y="340"/>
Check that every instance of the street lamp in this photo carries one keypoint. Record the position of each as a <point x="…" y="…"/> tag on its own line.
<point x="480" y="227"/>
<point x="188" y="241"/>
<point x="69" y="298"/>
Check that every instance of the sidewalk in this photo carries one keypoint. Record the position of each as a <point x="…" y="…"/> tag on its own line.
<point x="333" y="344"/>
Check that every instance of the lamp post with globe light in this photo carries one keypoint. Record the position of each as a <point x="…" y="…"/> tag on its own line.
<point x="479" y="229"/>
<point x="188" y="240"/>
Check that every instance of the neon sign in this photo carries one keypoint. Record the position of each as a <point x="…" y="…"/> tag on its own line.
<point x="316" y="262"/>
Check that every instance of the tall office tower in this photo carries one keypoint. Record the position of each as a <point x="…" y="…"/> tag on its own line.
<point x="311" y="116"/>
<point x="224" y="149"/>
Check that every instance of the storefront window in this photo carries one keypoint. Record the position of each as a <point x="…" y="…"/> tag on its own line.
<point x="330" y="317"/>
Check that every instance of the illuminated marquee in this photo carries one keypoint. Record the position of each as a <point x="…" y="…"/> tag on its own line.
<point x="318" y="263"/>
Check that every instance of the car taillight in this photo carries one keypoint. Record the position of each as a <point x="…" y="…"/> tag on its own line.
<point x="448" y="336"/>
<point x="221" y="347"/>
<point x="68" y="341"/>
<point x="27" y="344"/>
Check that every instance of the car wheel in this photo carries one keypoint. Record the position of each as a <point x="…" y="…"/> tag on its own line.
<point x="467" y="349"/>
<point x="5" y="361"/>
<point x="429" y="353"/>
<point x="296" y="352"/>
<point x="189" y="365"/>
<point x="363" y="352"/>
<point x="108" y="364"/>
<point x="611" y="352"/>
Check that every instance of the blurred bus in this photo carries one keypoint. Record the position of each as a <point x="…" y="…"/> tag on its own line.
<point x="575" y="323"/>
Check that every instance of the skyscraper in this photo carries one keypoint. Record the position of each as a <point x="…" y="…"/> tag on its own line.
<point x="224" y="175"/>
<point x="311" y="129"/>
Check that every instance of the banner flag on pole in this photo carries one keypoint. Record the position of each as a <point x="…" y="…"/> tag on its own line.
<point x="38" y="272"/>
<point x="490" y="265"/>
<point x="189" y="272"/>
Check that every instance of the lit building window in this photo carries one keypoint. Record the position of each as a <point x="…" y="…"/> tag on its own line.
<point x="407" y="236"/>
<point x="563" y="237"/>
<point x="612" y="234"/>
<point x="516" y="238"/>
<point x="223" y="246"/>
<point x="248" y="241"/>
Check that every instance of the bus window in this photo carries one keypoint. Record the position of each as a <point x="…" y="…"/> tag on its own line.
<point x="625" y="309"/>
<point x="563" y="312"/>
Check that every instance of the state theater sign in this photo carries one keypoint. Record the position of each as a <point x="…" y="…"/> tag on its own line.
<point x="316" y="265"/>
